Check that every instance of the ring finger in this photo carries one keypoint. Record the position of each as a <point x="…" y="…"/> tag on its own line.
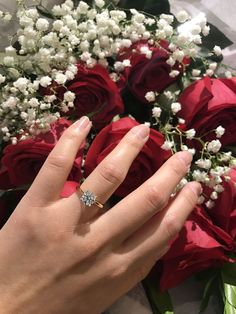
<point x="111" y="172"/>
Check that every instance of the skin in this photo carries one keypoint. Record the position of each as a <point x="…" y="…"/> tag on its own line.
<point x="59" y="256"/>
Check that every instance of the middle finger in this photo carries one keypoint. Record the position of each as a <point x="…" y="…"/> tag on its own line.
<point x="138" y="207"/>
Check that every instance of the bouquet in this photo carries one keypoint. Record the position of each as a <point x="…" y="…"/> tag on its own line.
<point x="122" y="67"/>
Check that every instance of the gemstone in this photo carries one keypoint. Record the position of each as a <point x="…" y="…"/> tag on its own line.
<point x="88" y="198"/>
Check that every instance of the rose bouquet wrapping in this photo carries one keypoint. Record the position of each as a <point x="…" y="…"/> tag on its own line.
<point x="122" y="67"/>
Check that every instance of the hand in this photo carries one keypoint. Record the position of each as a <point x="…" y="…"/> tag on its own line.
<point x="60" y="256"/>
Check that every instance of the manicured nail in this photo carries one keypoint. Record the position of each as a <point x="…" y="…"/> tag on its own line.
<point x="185" y="157"/>
<point x="142" y="131"/>
<point x="196" y="188"/>
<point x="82" y="123"/>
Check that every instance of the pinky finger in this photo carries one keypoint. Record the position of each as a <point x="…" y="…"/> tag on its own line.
<point x="156" y="234"/>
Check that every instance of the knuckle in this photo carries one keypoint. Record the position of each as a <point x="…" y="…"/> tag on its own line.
<point x="155" y="198"/>
<point x="58" y="161"/>
<point x="172" y="226"/>
<point x="178" y="168"/>
<point x="190" y="199"/>
<point x="70" y="135"/>
<point x="143" y="271"/>
<point x="111" y="172"/>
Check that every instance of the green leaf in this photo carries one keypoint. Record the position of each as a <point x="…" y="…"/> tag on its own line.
<point x="228" y="274"/>
<point x="208" y="292"/>
<point x="160" y="302"/>
<point x="229" y="309"/>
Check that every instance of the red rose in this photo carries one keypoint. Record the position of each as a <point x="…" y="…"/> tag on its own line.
<point x="205" y="241"/>
<point x="22" y="162"/>
<point x="209" y="103"/>
<point x="96" y="94"/>
<point x="200" y="245"/>
<point x="69" y="188"/>
<point x="153" y="74"/>
<point x="148" y="161"/>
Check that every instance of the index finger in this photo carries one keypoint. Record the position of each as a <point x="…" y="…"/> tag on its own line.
<point x="53" y="174"/>
<point x="138" y="207"/>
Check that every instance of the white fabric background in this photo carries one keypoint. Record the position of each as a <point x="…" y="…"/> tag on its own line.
<point x="221" y="13"/>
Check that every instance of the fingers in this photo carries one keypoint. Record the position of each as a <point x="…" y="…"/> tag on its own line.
<point x="52" y="176"/>
<point x="138" y="207"/>
<point x="111" y="172"/>
<point x="156" y="234"/>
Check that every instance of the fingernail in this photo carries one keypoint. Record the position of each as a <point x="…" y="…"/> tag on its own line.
<point x="142" y="131"/>
<point x="185" y="157"/>
<point x="196" y="188"/>
<point x="82" y="123"/>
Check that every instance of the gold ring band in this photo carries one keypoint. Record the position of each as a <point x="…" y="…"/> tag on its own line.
<point x="89" y="198"/>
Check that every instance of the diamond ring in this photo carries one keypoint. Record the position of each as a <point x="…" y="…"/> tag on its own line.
<point x="89" y="198"/>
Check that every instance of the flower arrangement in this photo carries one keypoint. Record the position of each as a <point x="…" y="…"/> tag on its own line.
<point x="122" y="67"/>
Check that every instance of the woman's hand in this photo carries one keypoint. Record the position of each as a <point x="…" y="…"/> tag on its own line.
<point x="60" y="256"/>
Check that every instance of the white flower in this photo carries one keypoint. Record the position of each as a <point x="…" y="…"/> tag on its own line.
<point x="126" y="63"/>
<point x="178" y="55"/>
<point x="219" y="188"/>
<point x="100" y="3"/>
<point x="228" y="74"/>
<point x="210" y="204"/>
<point x="203" y="163"/>
<point x="196" y="72"/>
<point x="190" y="134"/>
<point x="2" y="79"/>
<point x="167" y="145"/>
<point x="181" y="121"/>
<point x="168" y="94"/>
<point x="182" y="16"/>
<point x="220" y="131"/>
<point x="150" y="96"/>
<point x="217" y="50"/>
<point x="9" y="61"/>
<point x="21" y="83"/>
<point x="7" y="17"/>
<point x="60" y="78"/>
<point x="209" y="72"/>
<point x="119" y="66"/>
<point x="214" y="146"/>
<point x="175" y="107"/>
<point x="156" y="112"/>
<point x="201" y="200"/>
<point x="69" y="96"/>
<point x="174" y="73"/>
<point x="170" y="61"/>
<point x="42" y="25"/>
<point x="213" y="66"/>
<point x="45" y="81"/>
<point x="206" y="30"/>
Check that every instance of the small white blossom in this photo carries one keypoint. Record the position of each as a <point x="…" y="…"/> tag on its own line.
<point x="100" y="3"/>
<point x="42" y="25"/>
<point x="219" y="188"/>
<point x="9" y="61"/>
<point x="182" y="16"/>
<point x="167" y="145"/>
<point x="174" y="73"/>
<point x="156" y="112"/>
<point x="220" y="131"/>
<point x="210" y="204"/>
<point x="228" y="74"/>
<point x="45" y="81"/>
<point x="175" y="107"/>
<point x="217" y="50"/>
<point x="214" y="146"/>
<point x="150" y="96"/>
<point x="201" y="200"/>
<point x="190" y="134"/>
<point x="69" y="96"/>
<point x="60" y="78"/>
<point x="196" y="72"/>
<point x="203" y="163"/>
<point x="209" y="72"/>
<point x="206" y="30"/>
<point x="21" y="83"/>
